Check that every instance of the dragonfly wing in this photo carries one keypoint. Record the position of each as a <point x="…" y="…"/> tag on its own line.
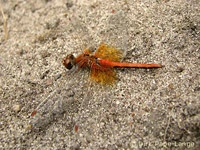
<point x="115" y="32"/>
<point x="107" y="76"/>
<point x="83" y="33"/>
<point x="108" y="52"/>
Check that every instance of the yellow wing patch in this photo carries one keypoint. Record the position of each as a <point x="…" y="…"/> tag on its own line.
<point x="108" y="52"/>
<point x="107" y="76"/>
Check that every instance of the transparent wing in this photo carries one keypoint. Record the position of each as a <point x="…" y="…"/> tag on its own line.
<point x="82" y="33"/>
<point x="68" y="93"/>
<point x="115" y="33"/>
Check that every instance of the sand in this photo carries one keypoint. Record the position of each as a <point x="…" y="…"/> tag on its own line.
<point x="144" y="109"/>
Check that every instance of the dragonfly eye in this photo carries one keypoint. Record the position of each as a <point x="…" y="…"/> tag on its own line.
<point x="69" y="61"/>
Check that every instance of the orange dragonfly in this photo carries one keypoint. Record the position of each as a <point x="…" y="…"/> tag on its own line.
<point x="102" y="62"/>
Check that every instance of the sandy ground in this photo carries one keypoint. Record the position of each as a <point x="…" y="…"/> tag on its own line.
<point x="144" y="109"/>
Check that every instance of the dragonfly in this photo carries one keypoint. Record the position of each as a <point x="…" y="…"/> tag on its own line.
<point x="102" y="62"/>
<point x="101" y="65"/>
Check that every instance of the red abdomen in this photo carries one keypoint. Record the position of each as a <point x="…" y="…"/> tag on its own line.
<point x="110" y="64"/>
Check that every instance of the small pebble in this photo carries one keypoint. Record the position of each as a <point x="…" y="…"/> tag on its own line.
<point x="117" y="102"/>
<point x="16" y="108"/>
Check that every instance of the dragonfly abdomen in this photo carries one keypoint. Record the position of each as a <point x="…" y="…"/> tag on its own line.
<point x="111" y="64"/>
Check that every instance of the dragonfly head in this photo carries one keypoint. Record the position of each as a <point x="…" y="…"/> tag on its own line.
<point x="69" y="61"/>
